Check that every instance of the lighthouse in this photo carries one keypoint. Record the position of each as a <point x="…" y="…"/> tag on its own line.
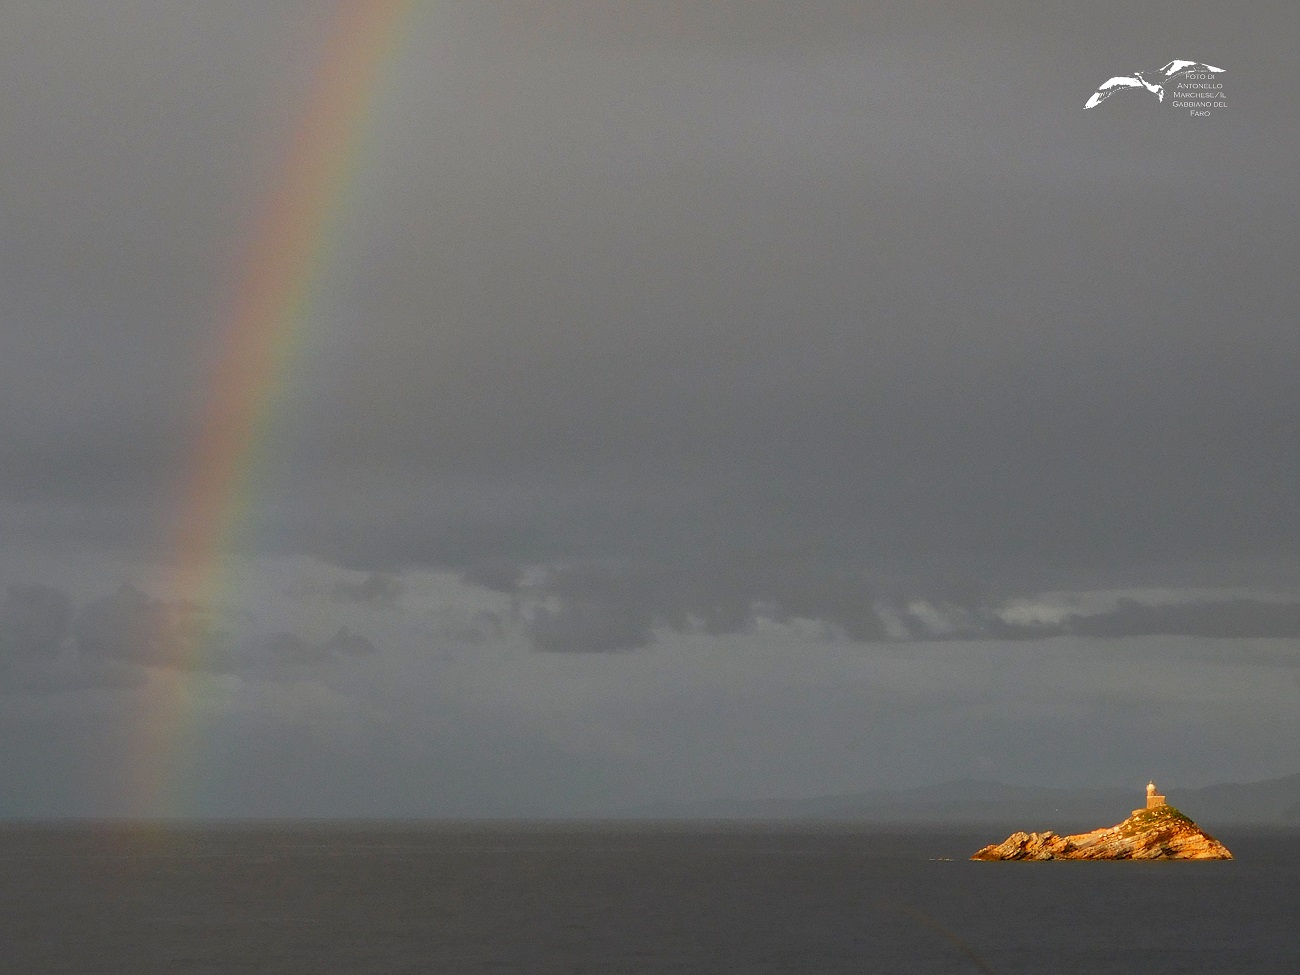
<point x="1154" y="799"/>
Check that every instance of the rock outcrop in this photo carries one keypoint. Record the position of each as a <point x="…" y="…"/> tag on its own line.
<point x="1162" y="833"/>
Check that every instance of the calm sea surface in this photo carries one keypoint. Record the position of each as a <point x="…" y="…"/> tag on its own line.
<point x="624" y="900"/>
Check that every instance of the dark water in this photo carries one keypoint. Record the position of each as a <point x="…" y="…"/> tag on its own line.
<point x="619" y="900"/>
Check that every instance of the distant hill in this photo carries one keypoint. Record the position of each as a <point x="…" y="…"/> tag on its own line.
<point x="1273" y="801"/>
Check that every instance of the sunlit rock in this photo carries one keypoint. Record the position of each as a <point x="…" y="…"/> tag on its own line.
<point x="1156" y="832"/>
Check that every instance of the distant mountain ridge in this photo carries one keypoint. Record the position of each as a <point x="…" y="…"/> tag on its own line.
<point x="1269" y="802"/>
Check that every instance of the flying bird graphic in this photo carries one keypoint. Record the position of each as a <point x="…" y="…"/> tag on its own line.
<point x="1153" y="81"/>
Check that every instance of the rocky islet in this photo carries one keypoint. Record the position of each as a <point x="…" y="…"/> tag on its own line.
<point x="1158" y="832"/>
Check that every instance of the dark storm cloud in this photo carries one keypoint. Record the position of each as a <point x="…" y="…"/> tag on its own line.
<point x="653" y="286"/>
<point x="737" y="302"/>
<point x="645" y="281"/>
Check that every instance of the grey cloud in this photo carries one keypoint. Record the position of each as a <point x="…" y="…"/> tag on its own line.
<point x="34" y="620"/>
<point x="486" y="625"/>
<point x="37" y="641"/>
<point x="640" y="289"/>
<point x="348" y="644"/>
<point x="69" y="675"/>
<point x="131" y="626"/>
<point x="1208" y="619"/>
<point x="598" y="609"/>
<point x="589" y="626"/>
<point x="287" y="656"/>
<point x="1236" y="618"/>
<point x="290" y="649"/>
<point x="500" y="575"/>
<point x="687" y="281"/>
<point x="376" y="588"/>
<point x="478" y="628"/>
<point x="598" y="606"/>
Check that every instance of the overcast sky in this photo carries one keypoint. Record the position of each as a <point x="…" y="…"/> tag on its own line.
<point x="699" y="399"/>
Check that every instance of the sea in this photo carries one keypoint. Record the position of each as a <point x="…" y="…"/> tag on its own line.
<point x="624" y="899"/>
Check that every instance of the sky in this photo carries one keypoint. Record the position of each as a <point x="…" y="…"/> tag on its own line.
<point x="696" y="399"/>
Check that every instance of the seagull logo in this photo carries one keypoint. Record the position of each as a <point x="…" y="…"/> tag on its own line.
<point x="1153" y="81"/>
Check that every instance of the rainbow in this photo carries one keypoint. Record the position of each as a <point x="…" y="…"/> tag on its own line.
<point x="296" y="225"/>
